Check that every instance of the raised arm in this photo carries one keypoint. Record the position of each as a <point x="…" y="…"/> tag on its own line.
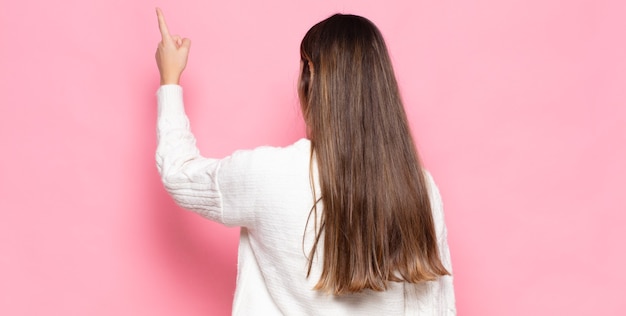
<point x="188" y="177"/>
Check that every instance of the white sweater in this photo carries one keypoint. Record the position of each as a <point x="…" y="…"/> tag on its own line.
<point x="267" y="192"/>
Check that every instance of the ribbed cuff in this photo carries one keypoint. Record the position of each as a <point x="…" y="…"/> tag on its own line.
<point x="170" y="100"/>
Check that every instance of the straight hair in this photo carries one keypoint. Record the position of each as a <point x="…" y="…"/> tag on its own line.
<point x="376" y="219"/>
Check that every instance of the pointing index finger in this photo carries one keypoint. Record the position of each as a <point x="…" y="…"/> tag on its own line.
<point x="162" y="26"/>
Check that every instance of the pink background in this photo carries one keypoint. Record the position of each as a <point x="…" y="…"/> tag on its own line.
<point x="519" y="109"/>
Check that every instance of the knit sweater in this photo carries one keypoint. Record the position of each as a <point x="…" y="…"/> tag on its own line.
<point x="267" y="192"/>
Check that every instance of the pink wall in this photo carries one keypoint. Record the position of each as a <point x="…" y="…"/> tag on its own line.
<point x="519" y="108"/>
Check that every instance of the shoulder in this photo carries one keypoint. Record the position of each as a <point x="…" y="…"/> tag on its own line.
<point x="433" y="190"/>
<point x="302" y="145"/>
<point x="269" y="155"/>
<point x="263" y="163"/>
<point x="262" y="178"/>
<point x="436" y="202"/>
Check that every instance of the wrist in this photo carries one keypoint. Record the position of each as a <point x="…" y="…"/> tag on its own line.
<point x="170" y="80"/>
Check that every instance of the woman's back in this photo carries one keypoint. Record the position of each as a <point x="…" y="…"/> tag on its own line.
<point x="267" y="191"/>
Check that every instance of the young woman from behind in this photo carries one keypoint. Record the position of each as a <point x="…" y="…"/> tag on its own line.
<point x="345" y="221"/>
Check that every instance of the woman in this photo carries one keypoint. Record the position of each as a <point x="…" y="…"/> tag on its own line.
<point x="345" y="221"/>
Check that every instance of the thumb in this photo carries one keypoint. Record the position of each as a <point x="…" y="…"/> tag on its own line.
<point x="186" y="43"/>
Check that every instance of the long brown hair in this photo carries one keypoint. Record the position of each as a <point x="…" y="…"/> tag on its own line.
<point x="376" y="219"/>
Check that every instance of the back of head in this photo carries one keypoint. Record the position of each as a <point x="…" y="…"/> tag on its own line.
<point x="376" y="218"/>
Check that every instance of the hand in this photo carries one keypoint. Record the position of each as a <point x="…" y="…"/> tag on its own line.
<point x="171" y="54"/>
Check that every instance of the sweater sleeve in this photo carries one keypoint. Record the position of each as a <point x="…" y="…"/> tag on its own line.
<point x="187" y="176"/>
<point x="435" y="297"/>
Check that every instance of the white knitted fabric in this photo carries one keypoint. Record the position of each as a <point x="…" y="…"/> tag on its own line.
<point x="267" y="192"/>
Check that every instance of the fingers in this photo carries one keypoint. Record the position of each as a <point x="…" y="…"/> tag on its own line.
<point x="165" y="33"/>
<point x="180" y="42"/>
<point x="177" y="39"/>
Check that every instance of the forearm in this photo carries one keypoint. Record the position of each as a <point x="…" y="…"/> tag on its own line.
<point x="187" y="176"/>
<point x="175" y="142"/>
